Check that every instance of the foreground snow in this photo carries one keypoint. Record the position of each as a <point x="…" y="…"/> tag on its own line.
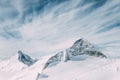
<point x="89" y="69"/>
<point x="81" y="61"/>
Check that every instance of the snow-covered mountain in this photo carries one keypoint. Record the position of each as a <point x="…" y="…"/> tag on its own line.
<point x="81" y="49"/>
<point x="74" y="63"/>
<point x="15" y="64"/>
<point x="81" y="57"/>
<point x="47" y="30"/>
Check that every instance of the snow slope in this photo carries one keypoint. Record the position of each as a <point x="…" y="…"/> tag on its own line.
<point x="63" y="65"/>
<point x="32" y="71"/>
<point x="90" y="69"/>
<point x="10" y="67"/>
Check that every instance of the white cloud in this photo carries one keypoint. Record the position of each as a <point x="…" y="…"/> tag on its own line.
<point x="52" y="31"/>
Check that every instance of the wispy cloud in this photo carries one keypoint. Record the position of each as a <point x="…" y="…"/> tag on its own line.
<point x="42" y="27"/>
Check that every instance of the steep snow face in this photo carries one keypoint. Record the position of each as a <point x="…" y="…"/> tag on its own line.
<point x="25" y="59"/>
<point x="11" y="65"/>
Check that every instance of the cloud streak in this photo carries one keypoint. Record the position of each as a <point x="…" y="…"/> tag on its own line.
<point x="42" y="27"/>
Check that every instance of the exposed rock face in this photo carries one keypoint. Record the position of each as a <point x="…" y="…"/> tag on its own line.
<point x="79" y="48"/>
<point x="25" y="59"/>
<point x="54" y="59"/>
<point x="83" y="47"/>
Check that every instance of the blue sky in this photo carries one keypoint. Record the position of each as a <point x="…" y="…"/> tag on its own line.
<point x="43" y="27"/>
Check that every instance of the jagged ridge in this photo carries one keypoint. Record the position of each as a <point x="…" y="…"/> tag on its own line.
<point x="79" y="48"/>
<point x="83" y="47"/>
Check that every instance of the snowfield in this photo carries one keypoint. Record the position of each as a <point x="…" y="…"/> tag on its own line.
<point x="89" y="69"/>
<point x="81" y="61"/>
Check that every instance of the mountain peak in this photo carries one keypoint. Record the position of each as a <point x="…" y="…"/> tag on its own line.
<point x="25" y="59"/>
<point x="84" y="47"/>
<point x="82" y="43"/>
<point x="20" y="52"/>
<point x="81" y="49"/>
<point x="79" y="40"/>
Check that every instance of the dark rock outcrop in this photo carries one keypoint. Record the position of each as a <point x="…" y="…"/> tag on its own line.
<point x="83" y="47"/>
<point x="25" y="59"/>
